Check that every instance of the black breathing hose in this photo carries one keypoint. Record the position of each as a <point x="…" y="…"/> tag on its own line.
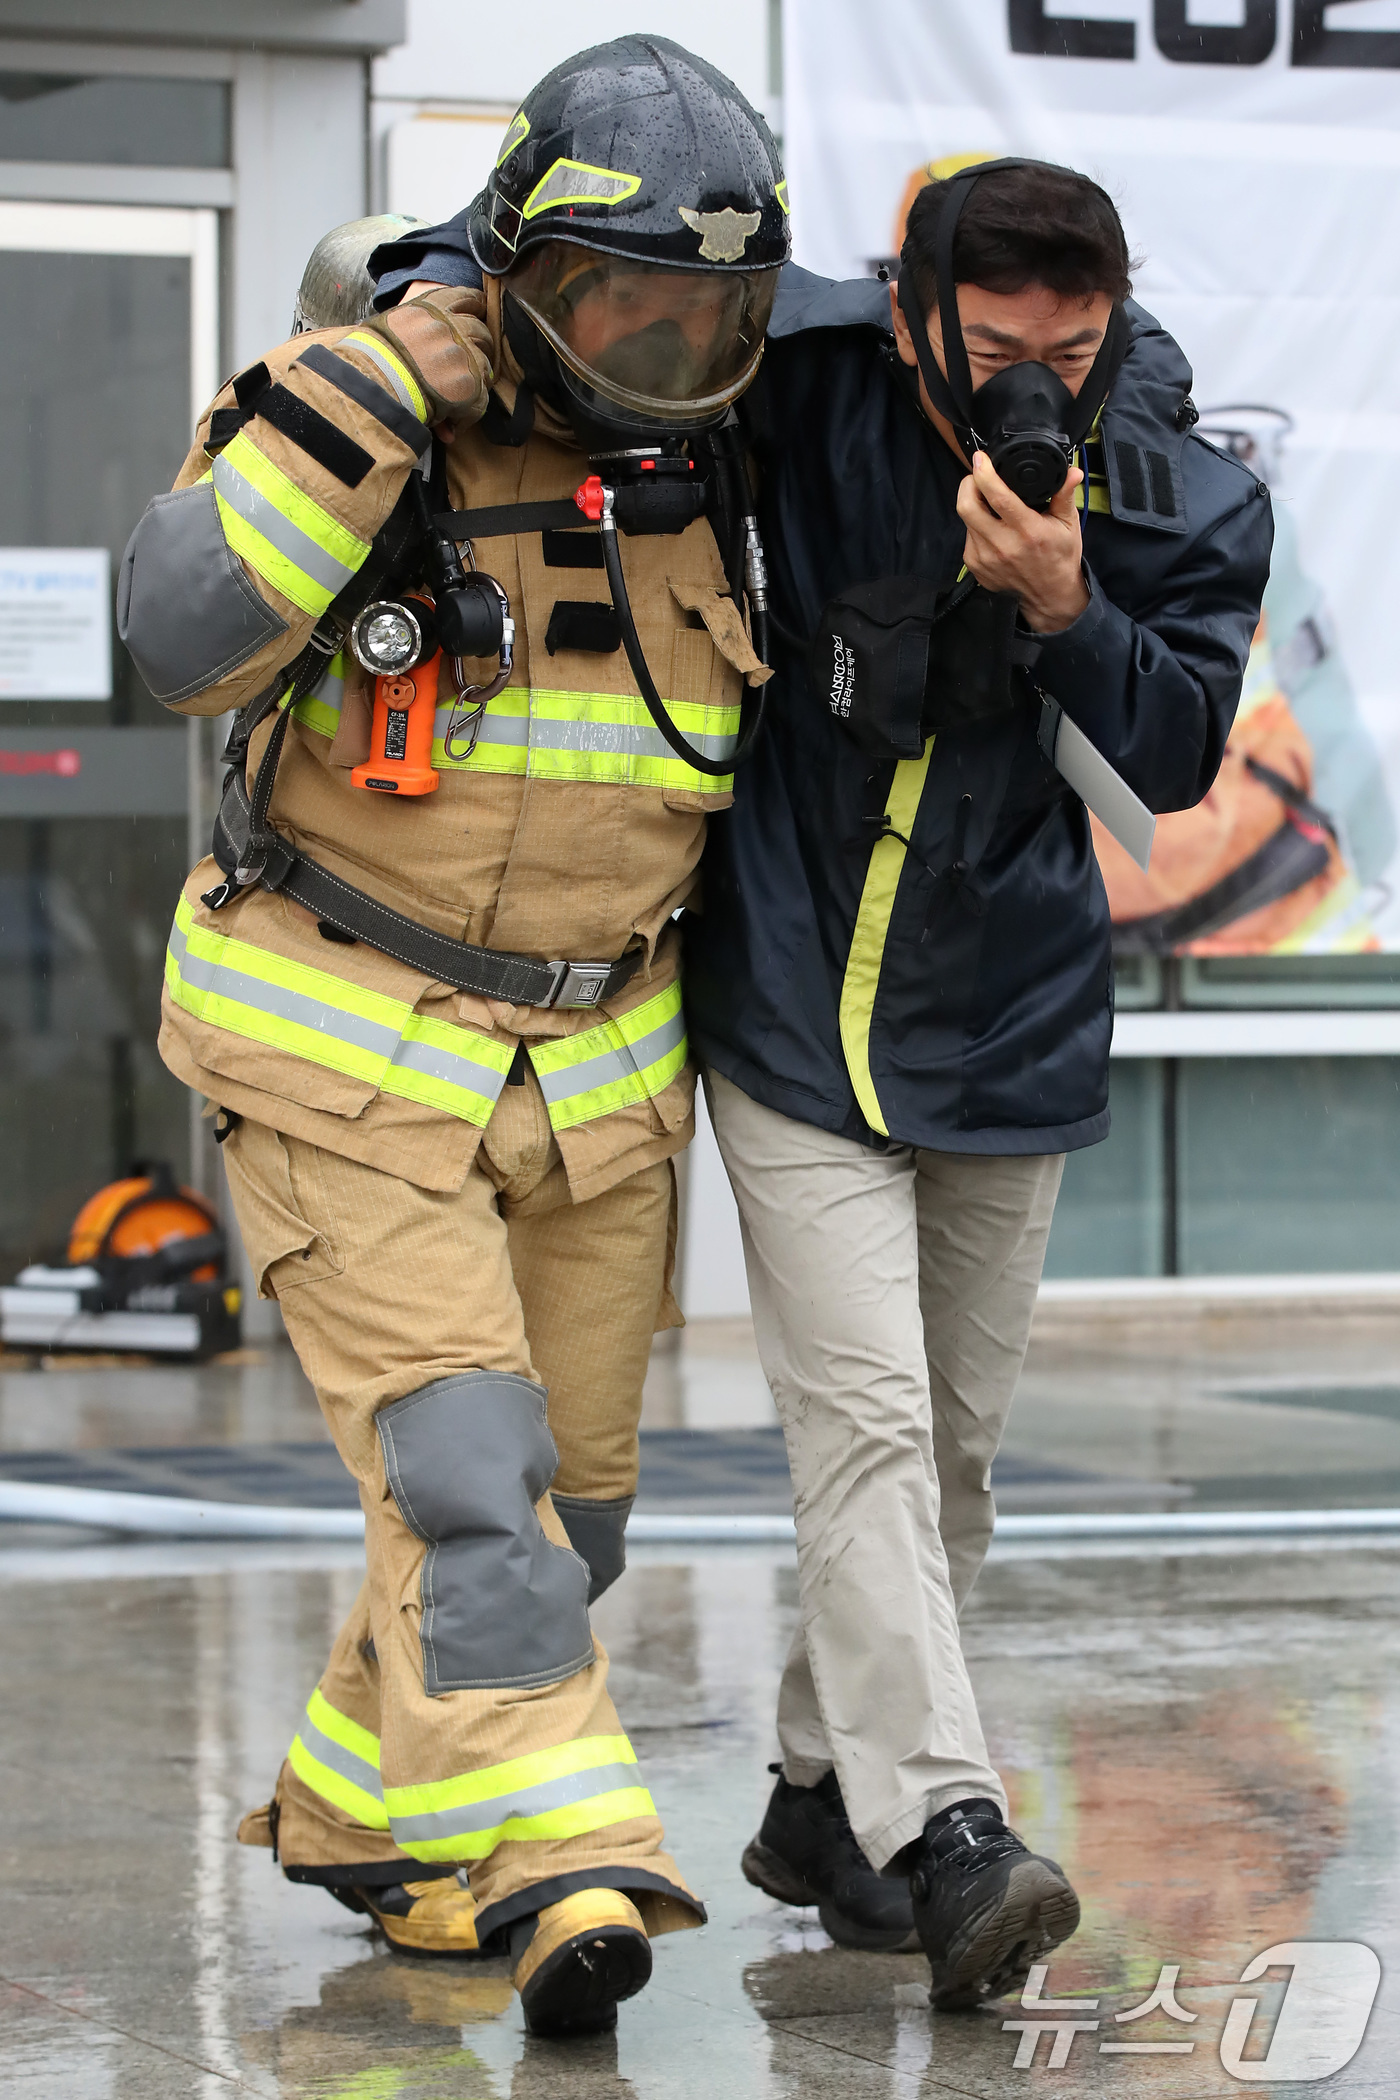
<point x="655" y="706"/>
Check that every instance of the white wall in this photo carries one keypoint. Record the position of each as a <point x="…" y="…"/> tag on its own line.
<point x="300" y="161"/>
<point x="465" y="53"/>
<point x="443" y="98"/>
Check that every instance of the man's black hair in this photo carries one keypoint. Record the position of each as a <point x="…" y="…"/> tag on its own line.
<point x="1020" y="226"/>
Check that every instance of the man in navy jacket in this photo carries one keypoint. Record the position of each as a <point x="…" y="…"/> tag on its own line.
<point x="901" y="986"/>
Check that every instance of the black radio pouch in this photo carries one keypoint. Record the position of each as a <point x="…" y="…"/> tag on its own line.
<point x="899" y="660"/>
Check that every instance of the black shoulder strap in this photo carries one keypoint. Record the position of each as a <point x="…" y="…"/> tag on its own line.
<point x="500" y="519"/>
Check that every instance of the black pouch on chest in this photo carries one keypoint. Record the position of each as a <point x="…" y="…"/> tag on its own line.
<point x="976" y="651"/>
<point x="898" y="660"/>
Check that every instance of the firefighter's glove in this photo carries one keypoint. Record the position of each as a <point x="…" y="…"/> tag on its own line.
<point x="443" y="339"/>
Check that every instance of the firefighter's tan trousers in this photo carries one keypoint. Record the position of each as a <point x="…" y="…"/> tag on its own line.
<point x="892" y="1300"/>
<point x="464" y="1715"/>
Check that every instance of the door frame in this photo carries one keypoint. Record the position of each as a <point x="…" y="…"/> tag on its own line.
<point x="191" y="232"/>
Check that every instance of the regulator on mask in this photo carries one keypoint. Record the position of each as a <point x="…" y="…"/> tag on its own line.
<point x="1024" y="418"/>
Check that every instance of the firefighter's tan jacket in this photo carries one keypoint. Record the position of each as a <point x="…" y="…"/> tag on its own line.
<point x="571" y="831"/>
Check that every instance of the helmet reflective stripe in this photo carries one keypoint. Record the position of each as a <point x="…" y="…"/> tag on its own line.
<point x="517" y="131"/>
<point x="561" y="1793"/>
<point x="339" y="1760"/>
<point x="618" y="1065"/>
<point x="310" y="1013"/>
<point x="574" y="182"/>
<point x="297" y="547"/>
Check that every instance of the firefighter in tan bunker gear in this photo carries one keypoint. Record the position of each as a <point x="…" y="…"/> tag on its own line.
<point x="457" y="1180"/>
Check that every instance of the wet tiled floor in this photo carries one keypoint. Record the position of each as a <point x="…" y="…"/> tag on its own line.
<point x="1210" y="1742"/>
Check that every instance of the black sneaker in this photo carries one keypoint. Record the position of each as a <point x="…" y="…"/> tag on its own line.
<point x="806" y="1852"/>
<point x="985" y="1906"/>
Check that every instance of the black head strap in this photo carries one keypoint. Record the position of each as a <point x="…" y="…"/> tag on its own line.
<point x="952" y="397"/>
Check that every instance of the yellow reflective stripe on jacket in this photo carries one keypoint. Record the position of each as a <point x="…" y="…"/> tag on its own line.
<point x="280" y="531"/>
<point x="1098" y="496"/>
<point x="551" y="1794"/>
<point x="310" y="1013"/>
<point x="616" y="1065"/>
<point x="320" y="708"/>
<point x="867" y="953"/>
<point x="402" y="381"/>
<point x="1096" y="468"/>
<point x="339" y="1760"/>
<point x="449" y="1068"/>
<point x="607" y="738"/>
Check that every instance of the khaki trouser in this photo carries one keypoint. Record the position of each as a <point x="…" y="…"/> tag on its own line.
<point x="430" y="1324"/>
<point x="892" y="1298"/>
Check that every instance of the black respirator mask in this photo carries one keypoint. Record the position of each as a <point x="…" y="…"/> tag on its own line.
<point x="1024" y="418"/>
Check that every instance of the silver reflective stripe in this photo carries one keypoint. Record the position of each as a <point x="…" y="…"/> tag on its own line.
<point x="453" y="1070"/>
<point x="278" y="530"/>
<point x="495" y="729"/>
<point x="623" y="738"/>
<point x="324" y="699"/>
<point x="627" y="737"/>
<point x="330" y="689"/>
<point x="275" y="999"/>
<point x="613" y="1064"/>
<point x="327" y="1751"/>
<point x="376" y="356"/>
<point x="525" y="1801"/>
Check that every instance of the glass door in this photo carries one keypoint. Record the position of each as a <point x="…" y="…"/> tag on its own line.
<point x="108" y="343"/>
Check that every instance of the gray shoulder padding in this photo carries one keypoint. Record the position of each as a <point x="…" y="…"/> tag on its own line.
<point x="467" y="1460"/>
<point x="185" y="609"/>
<point x="597" y="1530"/>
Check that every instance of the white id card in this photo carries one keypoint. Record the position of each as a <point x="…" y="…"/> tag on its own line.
<point x="1093" y="779"/>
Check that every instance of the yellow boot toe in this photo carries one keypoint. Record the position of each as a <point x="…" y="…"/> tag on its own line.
<point x="586" y="1954"/>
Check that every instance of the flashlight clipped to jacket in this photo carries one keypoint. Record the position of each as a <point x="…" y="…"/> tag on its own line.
<point x="402" y="641"/>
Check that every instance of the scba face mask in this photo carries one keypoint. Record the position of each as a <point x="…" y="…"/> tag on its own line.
<point x="1024" y="418"/>
<point x="646" y="343"/>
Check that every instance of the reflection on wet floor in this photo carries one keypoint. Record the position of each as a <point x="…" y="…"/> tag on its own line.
<point x="1210" y="1743"/>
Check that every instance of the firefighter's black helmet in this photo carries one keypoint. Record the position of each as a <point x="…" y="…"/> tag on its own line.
<point x="638" y="149"/>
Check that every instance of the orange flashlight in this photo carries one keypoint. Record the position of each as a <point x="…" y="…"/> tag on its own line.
<point x="400" y="758"/>
<point x="393" y="636"/>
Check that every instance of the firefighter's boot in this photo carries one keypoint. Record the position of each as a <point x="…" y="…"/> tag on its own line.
<point x="806" y="1852"/>
<point x="577" y="1959"/>
<point x="425" y="1917"/>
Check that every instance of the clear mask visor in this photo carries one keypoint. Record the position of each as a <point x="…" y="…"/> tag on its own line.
<point x="669" y="345"/>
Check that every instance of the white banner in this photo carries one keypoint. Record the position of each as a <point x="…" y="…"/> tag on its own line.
<point x="1253" y="149"/>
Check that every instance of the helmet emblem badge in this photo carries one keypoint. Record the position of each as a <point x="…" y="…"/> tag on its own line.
<point x="725" y="234"/>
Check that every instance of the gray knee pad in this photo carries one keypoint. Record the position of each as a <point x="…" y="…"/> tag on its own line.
<point x="467" y="1460"/>
<point x="597" y="1531"/>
